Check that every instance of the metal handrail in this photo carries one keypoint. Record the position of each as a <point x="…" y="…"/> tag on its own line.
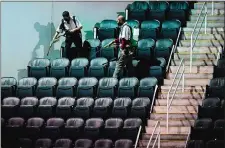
<point x="154" y="95"/>
<point x="150" y="140"/>
<point x="174" y="49"/>
<point x="169" y="101"/>
<point x="205" y="18"/>
<point x="157" y="138"/>
<point x="138" y="135"/>
<point x="188" y="137"/>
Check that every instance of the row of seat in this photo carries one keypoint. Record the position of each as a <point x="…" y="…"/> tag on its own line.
<point x="211" y="108"/>
<point x="67" y="143"/>
<point x="216" y="88"/>
<point x="69" y="107"/>
<point x="80" y="67"/>
<point x="202" y="144"/>
<point x="205" y="129"/>
<point x="147" y="29"/>
<point x="160" y="10"/>
<point x="85" y="87"/>
<point x="219" y="70"/>
<point x="147" y="48"/>
<point x="73" y="128"/>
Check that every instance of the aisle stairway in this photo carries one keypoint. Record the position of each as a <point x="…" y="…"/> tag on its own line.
<point x="184" y="107"/>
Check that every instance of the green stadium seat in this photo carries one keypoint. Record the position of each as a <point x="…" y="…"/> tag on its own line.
<point x="145" y="49"/>
<point x="149" y="29"/>
<point x="170" y="29"/>
<point x="38" y="68"/>
<point x="163" y="48"/>
<point x="79" y="68"/>
<point x="158" y="10"/>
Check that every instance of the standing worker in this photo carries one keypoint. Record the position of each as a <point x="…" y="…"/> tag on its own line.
<point x="72" y="28"/>
<point x="124" y="43"/>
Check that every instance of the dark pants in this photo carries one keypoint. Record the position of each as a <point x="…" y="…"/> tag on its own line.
<point x="124" y="59"/>
<point x="71" y="53"/>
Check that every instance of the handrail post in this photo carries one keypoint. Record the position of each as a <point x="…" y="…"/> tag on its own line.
<point x="157" y="123"/>
<point x="205" y="18"/>
<point x="167" y="115"/>
<point x="159" y="137"/>
<point x="183" y="79"/>
<point x="138" y="135"/>
<point x="191" y="52"/>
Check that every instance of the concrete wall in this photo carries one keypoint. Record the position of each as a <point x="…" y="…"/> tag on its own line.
<point x="27" y="29"/>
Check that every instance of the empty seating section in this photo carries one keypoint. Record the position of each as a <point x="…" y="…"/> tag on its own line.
<point x="208" y="130"/>
<point x="79" y="104"/>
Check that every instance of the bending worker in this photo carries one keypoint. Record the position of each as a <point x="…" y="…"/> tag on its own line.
<point x="124" y="43"/>
<point x="72" y="28"/>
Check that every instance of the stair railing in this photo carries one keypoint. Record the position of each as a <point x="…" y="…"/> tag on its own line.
<point x="157" y="125"/>
<point x="153" y="99"/>
<point x="188" y="138"/>
<point x="170" y="100"/>
<point x="138" y="136"/>
<point x="174" y="49"/>
<point x="193" y="40"/>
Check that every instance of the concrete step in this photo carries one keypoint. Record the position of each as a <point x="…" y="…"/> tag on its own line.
<point x="217" y="5"/>
<point x="188" y="82"/>
<point x="209" y="17"/>
<point x="174" y="116"/>
<point x="186" y="88"/>
<point x="208" y="29"/>
<point x="184" y="123"/>
<point x="195" y="69"/>
<point x="199" y="43"/>
<point x="199" y="56"/>
<point x="165" y="143"/>
<point x="199" y="49"/>
<point x="176" y="109"/>
<point x="209" y="24"/>
<point x="146" y="136"/>
<point x="191" y="76"/>
<point x="179" y="102"/>
<point x="215" y="12"/>
<point x="184" y="95"/>
<point x="195" y="63"/>
<point x="172" y="130"/>
<point x="203" y="36"/>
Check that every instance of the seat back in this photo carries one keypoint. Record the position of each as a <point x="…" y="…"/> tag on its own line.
<point x="66" y="87"/>
<point x="59" y="68"/>
<point x="87" y="87"/>
<point x="98" y="67"/>
<point x="163" y="48"/>
<point x="46" y="87"/>
<point x="78" y="67"/>
<point x="28" y="107"/>
<point x="107" y="30"/>
<point x="149" y="29"/>
<point x="110" y="52"/>
<point x="38" y="68"/>
<point x="145" y="48"/>
<point x="158" y="10"/>
<point x="128" y="87"/>
<point x="26" y="87"/>
<point x="8" y="87"/>
<point x="170" y="29"/>
<point x="93" y="46"/>
<point x="137" y="10"/>
<point x="107" y="87"/>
